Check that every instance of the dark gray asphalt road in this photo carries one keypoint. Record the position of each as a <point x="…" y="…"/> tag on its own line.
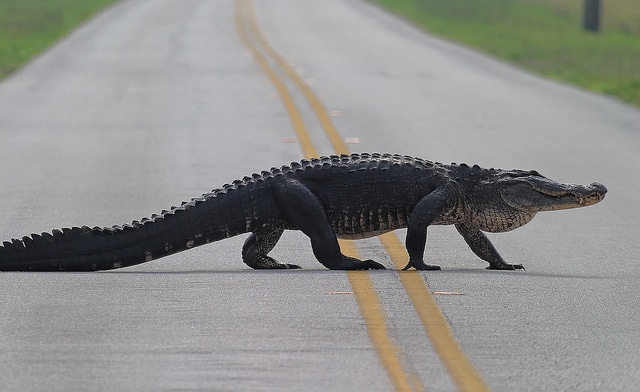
<point x="155" y="102"/>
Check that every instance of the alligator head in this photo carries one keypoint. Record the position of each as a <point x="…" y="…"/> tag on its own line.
<point x="507" y="199"/>
<point x="530" y="191"/>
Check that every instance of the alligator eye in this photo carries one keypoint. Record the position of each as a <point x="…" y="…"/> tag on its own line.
<point x="522" y="173"/>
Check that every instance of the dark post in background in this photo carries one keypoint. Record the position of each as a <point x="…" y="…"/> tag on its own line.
<point x="591" y="19"/>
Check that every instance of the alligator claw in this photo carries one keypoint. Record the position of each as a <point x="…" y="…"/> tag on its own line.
<point x="350" y="263"/>
<point x="370" y="264"/>
<point x="421" y="265"/>
<point x="279" y="266"/>
<point x="508" y="267"/>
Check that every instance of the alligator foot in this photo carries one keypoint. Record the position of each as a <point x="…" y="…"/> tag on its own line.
<point x="421" y="265"/>
<point x="369" y="264"/>
<point x="279" y="266"/>
<point x="266" y="262"/>
<point x="351" y="263"/>
<point x="505" y="266"/>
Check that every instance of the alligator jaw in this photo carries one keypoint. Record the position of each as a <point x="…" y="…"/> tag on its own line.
<point x="574" y="195"/>
<point x="542" y="194"/>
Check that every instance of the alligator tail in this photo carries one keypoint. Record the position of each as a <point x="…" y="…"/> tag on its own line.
<point x="215" y="216"/>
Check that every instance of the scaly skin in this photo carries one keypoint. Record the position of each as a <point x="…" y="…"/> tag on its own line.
<point x="349" y="196"/>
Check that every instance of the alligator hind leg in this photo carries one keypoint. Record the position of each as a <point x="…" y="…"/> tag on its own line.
<point x="303" y="208"/>
<point x="256" y="247"/>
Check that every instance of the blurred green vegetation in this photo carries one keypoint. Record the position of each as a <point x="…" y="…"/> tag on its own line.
<point x="27" y="27"/>
<point x="544" y="36"/>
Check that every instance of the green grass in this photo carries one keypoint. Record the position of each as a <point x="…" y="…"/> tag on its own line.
<point x="541" y="35"/>
<point x="27" y="27"/>
<point x="544" y="36"/>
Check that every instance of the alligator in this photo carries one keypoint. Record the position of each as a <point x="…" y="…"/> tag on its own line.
<point x="339" y="196"/>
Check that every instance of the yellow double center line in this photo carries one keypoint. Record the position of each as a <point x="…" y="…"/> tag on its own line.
<point x="436" y="327"/>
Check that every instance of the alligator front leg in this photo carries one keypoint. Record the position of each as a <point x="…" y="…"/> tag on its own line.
<point x="483" y="248"/>
<point x="425" y="212"/>
<point x="303" y="208"/>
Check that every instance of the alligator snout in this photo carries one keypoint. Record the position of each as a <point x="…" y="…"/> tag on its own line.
<point x="596" y="194"/>
<point x="598" y="188"/>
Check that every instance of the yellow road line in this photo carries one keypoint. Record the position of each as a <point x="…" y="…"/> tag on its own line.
<point x="374" y="317"/>
<point x="364" y="291"/>
<point x="339" y="146"/>
<point x="297" y="123"/>
<point x="462" y="372"/>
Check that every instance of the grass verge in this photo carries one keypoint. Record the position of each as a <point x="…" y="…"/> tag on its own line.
<point x="27" y="27"/>
<point x="542" y="35"/>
